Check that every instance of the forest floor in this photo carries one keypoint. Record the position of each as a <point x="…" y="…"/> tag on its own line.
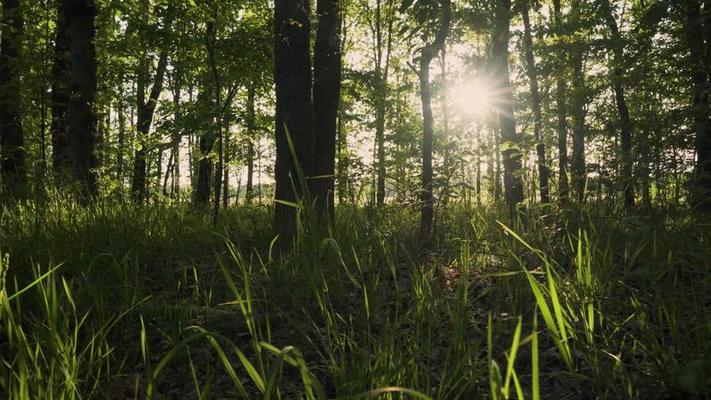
<point x="120" y="302"/>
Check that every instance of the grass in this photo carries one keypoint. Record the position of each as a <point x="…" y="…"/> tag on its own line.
<point x="114" y="301"/>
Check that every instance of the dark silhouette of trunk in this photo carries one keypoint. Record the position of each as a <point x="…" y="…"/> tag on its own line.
<point x="327" y="95"/>
<point x="211" y="39"/>
<point x="12" y="156"/>
<point x="578" y="103"/>
<point x="699" y="57"/>
<point x="120" y="110"/>
<point x="226" y="188"/>
<point x="146" y="110"/>
<point x="177" y="135"/>
<point x="561" y="110"/>
<point x="294" y="112"/>
<point x="82" y="112"/>
<point x="61" y="142"/>
<point x="543" y="171"/>
<point x="618" y="72"/>
<point x="428" y="52"/>
<point x="381" y="85"/>
<point x="510" y="140"/>
<point x="251" y="136"/>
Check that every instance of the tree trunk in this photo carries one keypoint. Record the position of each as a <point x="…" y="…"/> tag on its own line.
<point x="578" y="103"/>
<point x="426" y="55"/>
<point x="701" y="192"/>
<point x="561" y="109"/>
<point x="381" y="86"/>
<point x="510" y="141"/>
<point x="82" y="112"/>
<point x="543" y="171"/>
<point x="12" y="158"/>
<point x="294" y="112"/>
<point x="177" y="135"/>
<point x="618" y="71"/>
<point x="251" y="136"/>
<point x="146" y="110"/>
<point x="327" y="94"/>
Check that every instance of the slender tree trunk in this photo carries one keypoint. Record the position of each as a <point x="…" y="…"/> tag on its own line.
<point x="543" y="171"/>
<point x="12" y="158"/>
<point x="61" y="142"/>
<point x="294" y="111"/>
<point x="217" y="82"/>
<point x="618" y="72"/>
<point x="146" y="110"/>
<point x="83" y="114"/>
<point x="251" y="136"/>
<point x="327" y="95"/>
<point x="381" y="82"/>
<point x="178" y="134"/>
<point x="426" y="55"/>
<point x="561" y="109"/>
<point x="578" y="105"/>
<point x="511" y="152"/>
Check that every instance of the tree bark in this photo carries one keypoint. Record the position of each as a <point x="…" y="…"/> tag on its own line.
<point x="146" y="110"/>
<point x="578" y="103"/>
<point x="381" y="85"/>
<point x="618" y="76"/>
<point x="510" y="141"/>
<point x="561" y="109"/>
<point x="543" y="171"/>
<point x="701" y="191"/>
<point x="327" y="95"/>
<point x="61" y="142"/>
<point x="426" y="55"/>
<point x="82" y="112"/>
<point x="12" y="158"/>
<point x="294" y="112"/>
<point x="251" y="136"/>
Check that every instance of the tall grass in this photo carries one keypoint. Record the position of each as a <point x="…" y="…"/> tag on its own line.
<point x="158" y="303"/>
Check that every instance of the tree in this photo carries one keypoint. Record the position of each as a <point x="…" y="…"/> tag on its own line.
<point x="145" y="107"/>
<point x="427" y="53"/>
<point x="327" y="93"/>
<point x="561" y="106"/>
<point x="543" y="171"/>
<point x="61" y="77"/>
<point x="510" y="141"/>
<point x="12" y="158"/>
<point x="699" y="56"/>
<point x="578" y="107"/>
<point x="83" y="124"/>
<point x="294" y="111"/>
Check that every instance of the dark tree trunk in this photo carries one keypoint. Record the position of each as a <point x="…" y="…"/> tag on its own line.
<point x="120" y="110"/>
<point x="543" y="171"/>
<point x="327" y="95"/>
<point x="381" y="85"/>
<point x="146" y="110"/>
<point x="578" y="103"/>
<point x="701" y="191"/>
<point x="510" y="140"/>
<point x="12" y="156"/>
<point x="177" y="135"/>
<point x="426" y="55"/>
<point x="561" y="110"/>
<point x="251" y="137"/>
<point x="82" y="112"/>
<point x="294" y="111"/>
<point x="61" y="142"/>
<point x="618" y="72"/>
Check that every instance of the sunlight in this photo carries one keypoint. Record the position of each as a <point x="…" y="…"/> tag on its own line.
<point x="472" y="98"/>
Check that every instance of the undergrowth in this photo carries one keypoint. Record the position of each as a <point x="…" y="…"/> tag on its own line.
<point x="113" y="301"/>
